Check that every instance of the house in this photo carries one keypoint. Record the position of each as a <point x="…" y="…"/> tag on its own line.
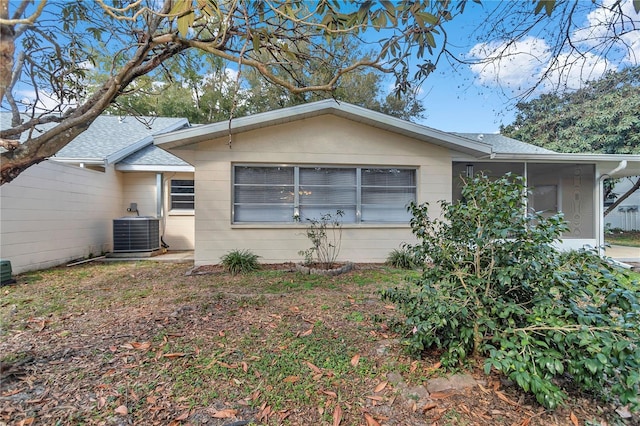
<point x="626" y="216"/>
<point x="251" y="183"/>
<point x="259" y="177"/>
<point x="63" y="208"/>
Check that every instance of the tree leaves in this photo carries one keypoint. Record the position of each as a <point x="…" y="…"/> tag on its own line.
<point x="498" y="288"/>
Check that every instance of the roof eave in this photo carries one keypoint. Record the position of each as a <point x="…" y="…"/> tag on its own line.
<point x="154" y="168"/>
<point x="80" y="160"/>
<point x="603" y="161"/>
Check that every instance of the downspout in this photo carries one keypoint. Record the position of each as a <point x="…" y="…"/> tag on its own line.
<point x="600" y="200"/>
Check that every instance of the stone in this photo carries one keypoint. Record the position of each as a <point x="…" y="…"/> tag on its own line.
<point x="454" y="382"/>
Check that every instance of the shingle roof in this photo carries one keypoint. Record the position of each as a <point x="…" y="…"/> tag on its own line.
<point x="504" y="145"/>
<point x="112" y="137"/>
<point x="151" y="155"/>
<point x="110" y="134"/>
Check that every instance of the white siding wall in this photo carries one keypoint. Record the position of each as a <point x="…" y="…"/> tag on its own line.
<point x="53" y="213"/>
<point x="323" y="140"/>
<point x="627" y="215"/>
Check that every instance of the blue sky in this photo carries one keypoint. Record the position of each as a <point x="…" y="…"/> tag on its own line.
<point x="479" y="99"/>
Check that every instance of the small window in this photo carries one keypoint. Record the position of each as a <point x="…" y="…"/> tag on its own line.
<point x="182" y="194"/>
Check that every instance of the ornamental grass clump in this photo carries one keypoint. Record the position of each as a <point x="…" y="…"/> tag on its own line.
<point x="497" y="289"/>
<point x="240" y="261"/>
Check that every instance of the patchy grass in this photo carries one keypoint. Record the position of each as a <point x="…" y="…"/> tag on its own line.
<point x="623" y="238"/>
<point x="142" y="343"/>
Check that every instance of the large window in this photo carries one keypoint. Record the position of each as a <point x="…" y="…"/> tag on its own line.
<point x="277" y="194"/>
<point x="182" y="194"/>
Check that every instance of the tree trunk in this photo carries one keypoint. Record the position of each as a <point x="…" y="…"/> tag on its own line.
<point x="7" y="49"/>
<point x="623" y="197"/>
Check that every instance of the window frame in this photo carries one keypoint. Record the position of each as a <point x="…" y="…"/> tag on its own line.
<point x="296" y="205"/>
<point x="191" y="194"/>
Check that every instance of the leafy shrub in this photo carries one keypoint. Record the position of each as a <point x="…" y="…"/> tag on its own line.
<point x="498" y="288"/>
<point x="325" y="235"/>
<point x="240" y="261"/>
<point x="403" y="258"/>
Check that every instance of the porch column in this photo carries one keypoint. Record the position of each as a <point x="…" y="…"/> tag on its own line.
<point x="159" y="196"/>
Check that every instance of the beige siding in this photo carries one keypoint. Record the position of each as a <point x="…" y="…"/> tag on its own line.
<point x="53" y="213"/>
<point x="324" y="140"/>
<point x="177" y="228"/>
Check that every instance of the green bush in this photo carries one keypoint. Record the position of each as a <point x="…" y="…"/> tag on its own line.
<point x="497" y="288"/>
<point x="240" y="261"/>
<point x="403" y="258"/>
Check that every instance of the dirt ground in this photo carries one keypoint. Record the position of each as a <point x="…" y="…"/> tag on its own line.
<point x="145" y="343"/>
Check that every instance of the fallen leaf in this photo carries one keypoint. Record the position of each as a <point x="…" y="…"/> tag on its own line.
<point x="174" y="355"/>
<point x="11" y="393"/>
<point x="435" y="366"/>
<point x="370" y="420"/>
<point x="483" y="389"/>
<point x="264" y="413"/>
<point x="27" y="421"/>
<point x="429" y="406"/>
<point x="414" y="366"/>
<point x="440" y="395"/>
<point x="337" y="416"/>
<point x="380" y="387"/>
<point x="122" y="410"/>
<point x="375" y="398"/>
<point x="102" y="401"/>
<point x="505" y="399"/>
<point x="291" y="379"/>
<point x="245" y="366"/>
<point x="313" y="368"/>
<point x="330" y="393"/>
<point x="143" y="346"/>
<point x="227" y="413"/>
<point x="283" y="414"/>
<point x="574" y="419"/>
<point x="306" y="333"/>
<point x="355" y="360"/>
<point x="182" y="416"/>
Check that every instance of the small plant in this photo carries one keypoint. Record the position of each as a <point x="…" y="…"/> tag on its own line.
<point x="240" y="261"/>
<point x="403" y="258"/>
<point x="325" y="235"/>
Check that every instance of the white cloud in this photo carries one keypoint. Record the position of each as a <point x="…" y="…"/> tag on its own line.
<point x="44" y="102"/>
<point x="511" y="66"/>
<point x="613" y="22"/>
<point x="517" y="66"/>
